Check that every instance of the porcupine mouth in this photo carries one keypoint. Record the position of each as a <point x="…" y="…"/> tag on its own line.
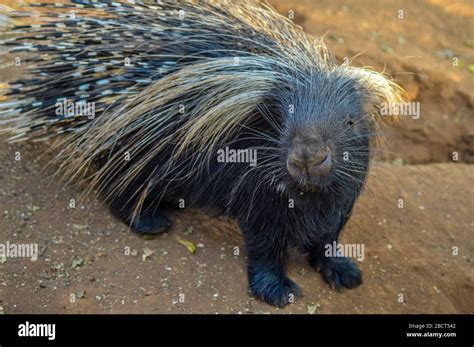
<point x="315" y="185"/>
<point x="311" y="184"/>
<point x="315" y="176"/>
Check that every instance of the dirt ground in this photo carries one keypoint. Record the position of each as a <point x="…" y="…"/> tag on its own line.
<point x="418" y="259"/>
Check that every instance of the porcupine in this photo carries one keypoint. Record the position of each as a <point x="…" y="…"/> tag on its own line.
<point x="175" y="81"/>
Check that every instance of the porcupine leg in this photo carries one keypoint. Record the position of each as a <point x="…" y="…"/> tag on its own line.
<point x="155" y="223"/>
<point x="267" y="257"/>
<point x="152" y="221"/>
<point x="338" y="272"/>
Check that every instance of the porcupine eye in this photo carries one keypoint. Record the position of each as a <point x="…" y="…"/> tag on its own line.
<point x="350" y="122"/>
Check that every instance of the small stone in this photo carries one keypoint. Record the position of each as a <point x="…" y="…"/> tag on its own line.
<point x="387" y="49"/>
<point x="25" y="216"/>
<point x="33" y="208"/>
<point x="147" y="253"/>
<point x="79" y="226"/>
<point x="77" y="263"/>
<point x="312" y="308"/>
<point x="188" y="231"/>
<point x="81" y="294"/>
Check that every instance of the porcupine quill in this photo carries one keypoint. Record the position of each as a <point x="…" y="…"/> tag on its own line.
<point x="172" y="82"/>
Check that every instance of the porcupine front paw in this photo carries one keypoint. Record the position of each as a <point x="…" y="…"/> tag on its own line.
<point x="150" y="224"/>
<point x="339" y="272"/>
<point x="274" y="289"/>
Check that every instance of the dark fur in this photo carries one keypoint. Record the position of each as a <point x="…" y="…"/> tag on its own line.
<point x="330" y="107"/>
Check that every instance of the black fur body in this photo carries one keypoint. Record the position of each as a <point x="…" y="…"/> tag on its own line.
<point x="283" y="97"/>
<point x="272" y="219"/>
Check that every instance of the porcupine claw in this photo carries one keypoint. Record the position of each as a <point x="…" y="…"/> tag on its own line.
<point x="156" y="224"/>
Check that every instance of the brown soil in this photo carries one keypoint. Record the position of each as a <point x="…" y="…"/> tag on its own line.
<point x="422" y="251"/>
<point x="428" y="52"/>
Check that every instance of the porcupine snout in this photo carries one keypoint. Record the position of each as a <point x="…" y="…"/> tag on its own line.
<point x="309" y="158"/>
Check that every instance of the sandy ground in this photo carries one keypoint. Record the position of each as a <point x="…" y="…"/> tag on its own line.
<point x="418" y="259"/>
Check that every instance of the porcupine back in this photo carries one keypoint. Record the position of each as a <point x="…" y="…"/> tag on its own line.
<point x="173" y="78"/>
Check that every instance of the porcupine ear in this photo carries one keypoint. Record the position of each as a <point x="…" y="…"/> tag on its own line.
<point x="378" y="91"/>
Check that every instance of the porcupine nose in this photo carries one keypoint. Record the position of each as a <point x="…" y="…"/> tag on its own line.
<point x="309" y="158"/>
